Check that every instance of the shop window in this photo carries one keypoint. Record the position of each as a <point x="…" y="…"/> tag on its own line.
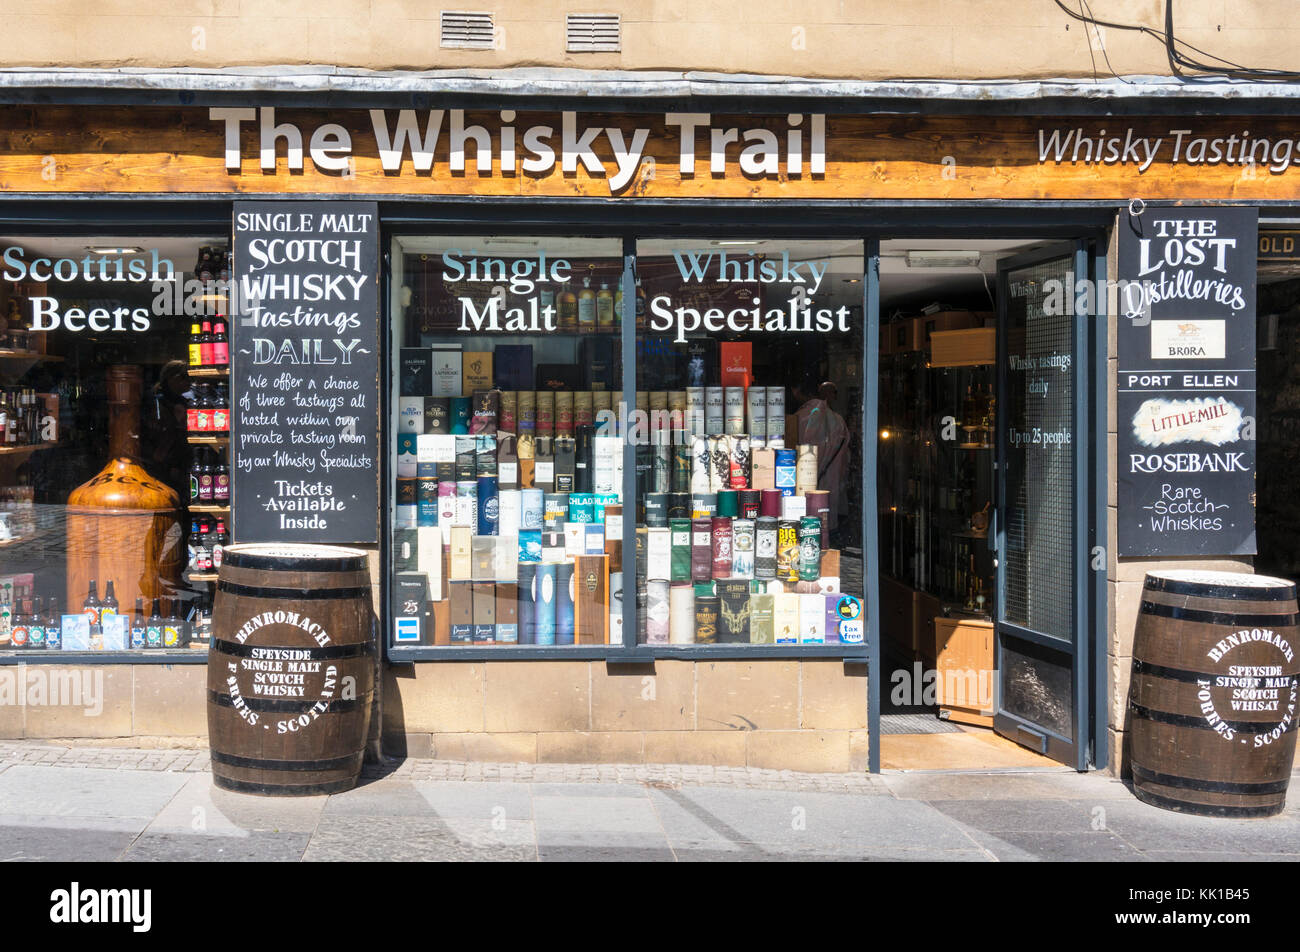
<point x="748" y="472"/>
<point x="507" y="481"/>
<point x="114" y="420"/>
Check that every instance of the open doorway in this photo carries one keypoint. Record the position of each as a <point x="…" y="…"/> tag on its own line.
<point x="941" y="437"/>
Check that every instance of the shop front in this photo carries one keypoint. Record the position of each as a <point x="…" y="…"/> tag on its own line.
<point x="734" y="436"/>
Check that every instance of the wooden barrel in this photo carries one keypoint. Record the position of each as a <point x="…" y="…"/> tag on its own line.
<point x="290" y="669"/>
<point x="1212" y="703"/>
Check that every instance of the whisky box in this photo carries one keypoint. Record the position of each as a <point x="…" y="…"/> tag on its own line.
<point x="509" y="511"/>
<point x="553" y="547"/>
<point x="733" y="610"/>
<point x="832" y="615"/>
<point x="530" y="545"/>
<point x="406" y="550"/>
<point x="462" y="553"/>
<point x="435" y="448"/>
<point x="812" y="619"/>
<point x="736" y="363"/>
<point x="527" y="607"/>
<point x="701" y="550"/>
<point x="415" y="378"/>
<point x="559" y="377"/>
<point x="507" y="460"/>
<point x="485" y="613"/>
<point x="437" y="415"/>
<point x="763" y="469"/>
<point x="565" y="464"/>
<point x="445" y="367"/>
<point x="485" y="409"/>
<point x="513" y="367"/>
<point x="505" y="558"/>
<point x="483" y="558"/>
<point x="613" y="514"/>
<point x="761" y="608"/>
<point x="476" y="371"/>
<point x="591" y="600"/>
<point x="707" y="612"/>
<point x="600" y="360"/>
<point x="575" y="539"/>
<point x="429" y="558"/>
<point x="507" y="612"/>
<point x="544" y="604"/>
<point x="615" y="608"/>
<point x="407" y="455"/>
<point x="680" y="555"/>
<point x="564" y="619"/>
<point x="461" y="613"/>
<point x="409" y="604"/>
<point x="595" y="538"/>
<point x="785" y="619"/>
<point x="659" y="554"/>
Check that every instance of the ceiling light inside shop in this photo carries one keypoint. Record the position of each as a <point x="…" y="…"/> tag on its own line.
<point x="942" y="259"/>
<point x="113" y="251"/>
<point x="734" y="244"/>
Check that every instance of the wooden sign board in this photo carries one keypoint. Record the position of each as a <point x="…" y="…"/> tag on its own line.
<point x="392" y="152"/>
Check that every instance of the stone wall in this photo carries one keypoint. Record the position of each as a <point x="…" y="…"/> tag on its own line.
<point x="808" y="715"/>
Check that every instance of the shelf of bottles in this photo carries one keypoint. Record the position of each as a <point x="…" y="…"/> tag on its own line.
<point x="207" y="419"/>
<point x="936" y="439"/>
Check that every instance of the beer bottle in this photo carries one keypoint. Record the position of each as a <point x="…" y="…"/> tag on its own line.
<point x="90" y="607"/>
<point x="36" y="625"/>
<point x="153" y="632"/>
<point x="220" y="344"/>
<point x="138" y="624"/>
<point x="205" y="345"/>
<point x="53" y="626"/>
<point x="18" y="634"/>
<point x="196" y="346"/>
<point x="171" y="627"/>
<point x="109" y="604"/>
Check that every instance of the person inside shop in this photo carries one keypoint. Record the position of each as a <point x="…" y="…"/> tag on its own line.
<point x="164" y="440"/>
<point x="821" y="426"/>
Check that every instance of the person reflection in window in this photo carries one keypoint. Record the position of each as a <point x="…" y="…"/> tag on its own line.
<point x="821" y="426"/>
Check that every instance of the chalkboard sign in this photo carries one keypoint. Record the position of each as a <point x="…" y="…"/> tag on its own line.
<point x="305" y="372"/>
<point x="1186" y="382"/>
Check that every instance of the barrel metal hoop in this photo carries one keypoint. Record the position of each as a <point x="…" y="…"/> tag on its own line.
<point x="327" y="653"/>
<point x="1181" y="674"/>
<point x="1191" y="720"/>
<point x="347" y="762"/>
<point x="291" y="594"/>
<point x="1277" y="593"/>
<point x="287" y="563"/>
<point x="283" y="706"/>
<point x="1260" y="787"/>
<point x="1220" y="618"/>
<point x="1204" y="809"/>
<point x="285" y="789"/>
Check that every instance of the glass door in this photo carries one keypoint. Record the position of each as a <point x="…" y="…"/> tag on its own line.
<point x="1039" y="541"/>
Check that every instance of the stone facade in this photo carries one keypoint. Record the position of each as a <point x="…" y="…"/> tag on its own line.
<point x="793" y="715"/>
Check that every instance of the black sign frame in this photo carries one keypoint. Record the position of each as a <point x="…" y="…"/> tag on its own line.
<point x="1185" y="408"/>
<point x="305" y="446"/>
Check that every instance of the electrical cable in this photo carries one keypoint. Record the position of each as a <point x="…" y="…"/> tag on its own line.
<point x="1178" y="59"/>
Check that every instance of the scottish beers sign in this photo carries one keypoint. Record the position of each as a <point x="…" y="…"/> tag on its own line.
<point x="1186" y="382"/>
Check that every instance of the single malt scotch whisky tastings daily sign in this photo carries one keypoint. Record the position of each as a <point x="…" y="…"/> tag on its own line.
<point x="1186" y="407"/>
<point x="305" y="371"/>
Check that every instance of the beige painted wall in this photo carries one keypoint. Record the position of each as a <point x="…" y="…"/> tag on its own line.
<point x="864" y="39"/>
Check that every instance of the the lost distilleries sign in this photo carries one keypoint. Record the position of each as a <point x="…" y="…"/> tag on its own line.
<point x="1186" y="382"/>
<point x="268" y="150"/>
<point x="305" y="370"/>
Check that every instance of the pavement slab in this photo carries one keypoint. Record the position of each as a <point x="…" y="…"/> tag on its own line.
<point x="103" y="804"/>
